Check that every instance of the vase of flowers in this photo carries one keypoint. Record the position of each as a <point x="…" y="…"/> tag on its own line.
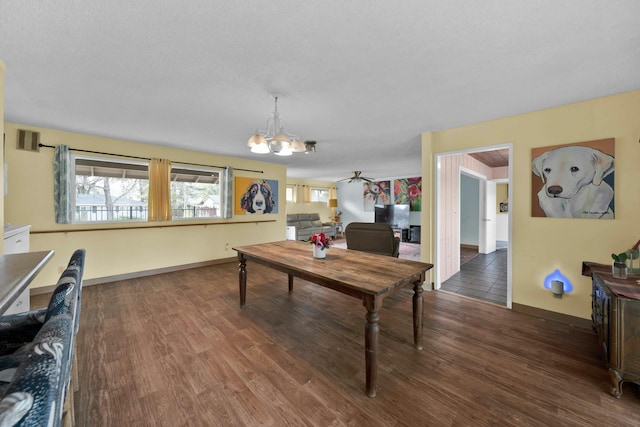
<point x="321" y="242"/>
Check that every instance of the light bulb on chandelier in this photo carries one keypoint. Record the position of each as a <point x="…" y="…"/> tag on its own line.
<point x="275" y="138"/>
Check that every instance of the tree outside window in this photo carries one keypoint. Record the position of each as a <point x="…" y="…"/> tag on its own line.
<point x="108" y="190"/>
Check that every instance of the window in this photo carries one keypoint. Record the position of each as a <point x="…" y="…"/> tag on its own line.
<point x="108" y="190"/>
<point x="195" y="193"/>
<point x="319" y="194"/>
<point x="291" y="193"/>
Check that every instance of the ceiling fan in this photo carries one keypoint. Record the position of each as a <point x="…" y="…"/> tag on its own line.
<point x="357" y="178"/>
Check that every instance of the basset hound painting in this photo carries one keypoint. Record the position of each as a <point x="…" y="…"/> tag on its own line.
<point x="258" y="197"/>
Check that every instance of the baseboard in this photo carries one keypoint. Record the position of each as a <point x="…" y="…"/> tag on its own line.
<point x="134" y="275"/>
<point x="474" y="247"/>
<point x="552" y="315"/>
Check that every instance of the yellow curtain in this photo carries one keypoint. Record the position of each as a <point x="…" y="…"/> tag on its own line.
<point x="159" y="190"/>
<point x="307" y="194"/>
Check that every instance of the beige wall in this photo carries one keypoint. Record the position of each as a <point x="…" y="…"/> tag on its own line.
<point x="502" y="195"/>
<point x="541" y="245"/>
<point x="117" y="252"/>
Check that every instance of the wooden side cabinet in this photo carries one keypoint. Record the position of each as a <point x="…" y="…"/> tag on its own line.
<point x="616" y="320"/>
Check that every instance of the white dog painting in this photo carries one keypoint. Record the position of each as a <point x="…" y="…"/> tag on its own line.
<point x="573" y="182"/>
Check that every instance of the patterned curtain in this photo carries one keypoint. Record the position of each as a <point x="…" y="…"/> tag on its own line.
<point x="62" y="202"/>
<point x="159" y="190"/>
<point x="227" y="192"/>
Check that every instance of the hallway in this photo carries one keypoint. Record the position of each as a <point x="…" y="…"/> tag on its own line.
<point x="484" y="277"/>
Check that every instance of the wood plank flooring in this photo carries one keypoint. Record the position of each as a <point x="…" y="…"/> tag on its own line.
<point x="176" y="350"/>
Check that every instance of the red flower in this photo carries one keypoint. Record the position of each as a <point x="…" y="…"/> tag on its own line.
<point x="320" y="240"/>
<point x="413" y="191"/>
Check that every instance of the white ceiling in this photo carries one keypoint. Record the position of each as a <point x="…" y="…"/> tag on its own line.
<point x="363" y="78"/>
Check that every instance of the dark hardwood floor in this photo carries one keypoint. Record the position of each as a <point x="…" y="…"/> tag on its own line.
<point x="176" y="350"/>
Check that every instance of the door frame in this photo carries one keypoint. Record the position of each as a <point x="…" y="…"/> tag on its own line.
<point x="437" y="219"/>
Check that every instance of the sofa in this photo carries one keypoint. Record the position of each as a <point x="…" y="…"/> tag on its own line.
<point x="307" y="224"/>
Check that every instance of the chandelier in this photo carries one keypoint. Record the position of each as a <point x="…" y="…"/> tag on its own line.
<point x="275" y="138"/>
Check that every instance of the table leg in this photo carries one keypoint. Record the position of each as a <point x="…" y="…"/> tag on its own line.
<point x="290" y="283"/>
<point x="242" y="276"/>
<point x="417" y="315"/>
<point x="371" y="344"/>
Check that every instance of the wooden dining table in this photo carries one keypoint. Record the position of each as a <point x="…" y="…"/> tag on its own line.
<point x="16" y="273"/>
<point x="362" y="275"/>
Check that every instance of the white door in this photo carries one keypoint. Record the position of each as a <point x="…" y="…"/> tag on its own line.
<point x="488" y="216"/>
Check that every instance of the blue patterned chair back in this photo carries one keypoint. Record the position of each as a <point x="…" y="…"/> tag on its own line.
<point x="43" y="363"/>
<point x="68" y="289"/>
<point x="36" y="395"/>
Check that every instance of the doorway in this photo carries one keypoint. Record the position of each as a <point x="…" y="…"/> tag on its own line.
<point x="459" y="223"/>
<point x="477" y="201"/>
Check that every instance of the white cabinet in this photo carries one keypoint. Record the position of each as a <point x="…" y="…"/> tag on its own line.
<point x="291" y="232"/>
<point x="16" y="240"/>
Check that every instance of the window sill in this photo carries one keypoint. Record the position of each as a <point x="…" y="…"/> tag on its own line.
<point x="136" y="226"/>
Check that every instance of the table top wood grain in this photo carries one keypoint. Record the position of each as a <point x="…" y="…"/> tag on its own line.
<point x="357" y="271"/>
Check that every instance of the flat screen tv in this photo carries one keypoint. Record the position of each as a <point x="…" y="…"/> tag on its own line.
<point x="397" y="216"/>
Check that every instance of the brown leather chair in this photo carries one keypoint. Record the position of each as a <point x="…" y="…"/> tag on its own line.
<point x="373" y="237"/>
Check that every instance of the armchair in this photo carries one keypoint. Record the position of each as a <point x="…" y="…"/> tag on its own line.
<point x="373" y="237"/>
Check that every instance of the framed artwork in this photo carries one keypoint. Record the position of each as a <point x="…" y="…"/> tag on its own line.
<point x="573" y="180"/>
<point x="255" y="196"/>
<point x="408" y="191"/>
<point x="376" y="193"/>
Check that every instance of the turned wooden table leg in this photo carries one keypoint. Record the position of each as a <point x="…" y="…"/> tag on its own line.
<point x="290" y="283"/>
<point x="371" y="344"/>
<point x="242" y="276"/>
<point x="417" y="315"/>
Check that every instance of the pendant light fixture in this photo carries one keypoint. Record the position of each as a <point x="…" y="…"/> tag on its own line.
<point x="276" y="139"/>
